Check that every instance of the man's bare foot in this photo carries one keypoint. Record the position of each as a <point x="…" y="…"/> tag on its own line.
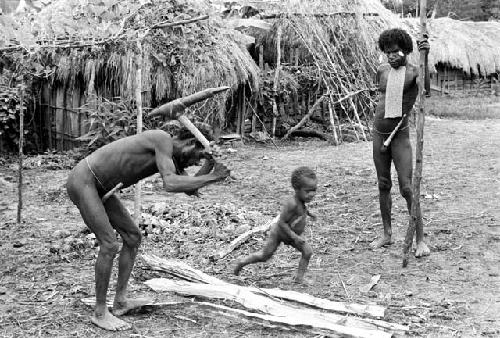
<point x="384" y="241"/>
<point x="237" y="268"/>
<point x="109" y="322"/>
<point x="422" y="250"/>
<point x="121" y="308"/>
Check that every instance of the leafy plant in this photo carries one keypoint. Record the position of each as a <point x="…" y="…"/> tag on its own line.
<point x="9" y="120"/>
<point x="108" y="121"/>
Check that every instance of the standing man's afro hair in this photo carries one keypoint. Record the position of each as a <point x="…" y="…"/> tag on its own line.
<point x="395" y="36"/>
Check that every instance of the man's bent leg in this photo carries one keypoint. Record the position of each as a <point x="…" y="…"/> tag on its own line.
<point x="84" y="194"/>
<point x="382" y="163"/>
<point x="123" y="223"/>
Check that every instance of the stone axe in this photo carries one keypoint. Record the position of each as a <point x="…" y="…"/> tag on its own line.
<point x="173" y="110"/>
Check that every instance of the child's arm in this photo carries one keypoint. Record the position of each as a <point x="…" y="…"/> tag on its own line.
<point x="287" y="212"/>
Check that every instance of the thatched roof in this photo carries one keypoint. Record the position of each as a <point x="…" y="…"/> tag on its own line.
<point x="97" y="48"/>
<point x="468" y="45"/>
<point x="471" y="46"/>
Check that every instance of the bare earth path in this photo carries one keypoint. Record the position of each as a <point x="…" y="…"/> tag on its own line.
<point x="454" y="292"/>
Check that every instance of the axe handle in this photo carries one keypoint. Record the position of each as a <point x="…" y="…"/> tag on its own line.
<point x="387" y="142"/>
<point x="111" y="192"/>
<point x="197" y="134"/>
<point x="192" y="128"/>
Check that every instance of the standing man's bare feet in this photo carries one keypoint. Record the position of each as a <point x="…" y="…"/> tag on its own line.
<point x="122" y="307"/>
<point x="109" y="322"/>
<point x="422" y="250"/>
<point x="384" y="241"/>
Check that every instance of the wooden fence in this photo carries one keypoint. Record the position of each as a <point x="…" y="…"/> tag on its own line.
<point x="448" y="80"/>
<point x="62" y="116"/>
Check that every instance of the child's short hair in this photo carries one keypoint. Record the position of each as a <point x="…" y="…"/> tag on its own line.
<point x="395" y="36"/>
<point x="300" y="173"/>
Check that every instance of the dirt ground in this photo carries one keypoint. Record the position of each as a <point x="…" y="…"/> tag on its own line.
<point x="453" y="292"/>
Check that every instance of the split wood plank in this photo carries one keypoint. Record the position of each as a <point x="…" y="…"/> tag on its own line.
<point x="180" y="270"/>
<point x="340" y="324"/>
<point x="326" y="304"/>
<point x="184" y="271"/>
<point x="263" y="319"/>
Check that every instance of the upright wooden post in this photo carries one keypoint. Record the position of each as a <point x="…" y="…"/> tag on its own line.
<point x="261" y="57"/>
<point x="332" y="121"/>
<point x="138" y="101"/>
<point x="21" y="145"/>
<point x="243" y="112"/>
<point x="416" y="214"/>
<point x="276" y="80"/>
<point x="239" y="111"/>
<point x="50" y="113"/>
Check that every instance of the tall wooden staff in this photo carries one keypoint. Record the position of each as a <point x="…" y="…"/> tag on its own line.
<point x="138" y="102"/>
<point x="416" y="214"/>
<point x="21" y="145"/>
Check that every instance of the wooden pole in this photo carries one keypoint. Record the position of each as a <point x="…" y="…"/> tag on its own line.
<point x="21" y="144"/>
<point x="138" y="101"/>
<point x="332" y="122"/>
<point x="276" y="80"/>
<point x="416" y="214"/>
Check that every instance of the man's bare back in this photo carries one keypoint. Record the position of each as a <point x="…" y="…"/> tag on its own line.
<point x="130" y="159"/>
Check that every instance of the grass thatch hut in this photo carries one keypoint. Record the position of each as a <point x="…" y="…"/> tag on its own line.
<point x="80" y="52"/>
<point x="463" y="53"/>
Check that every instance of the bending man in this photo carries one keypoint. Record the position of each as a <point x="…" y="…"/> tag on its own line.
<point x="128" y="161"/>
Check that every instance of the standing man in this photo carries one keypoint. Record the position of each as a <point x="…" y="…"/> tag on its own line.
<point x="128" y="161"/>
<point x="398" y="82"/>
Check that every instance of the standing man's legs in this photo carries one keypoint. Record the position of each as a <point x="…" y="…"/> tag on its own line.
<point x="382" y="163"/>
<point x="403" y="161"/>
<point x="124" y="224"/>
<point x="402" y="156"/>
<point x="82" y="191"/>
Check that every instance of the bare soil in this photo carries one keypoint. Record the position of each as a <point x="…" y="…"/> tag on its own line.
<point x="453" y="292"/>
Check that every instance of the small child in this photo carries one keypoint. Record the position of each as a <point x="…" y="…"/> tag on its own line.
<point x="291" y="224"/>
